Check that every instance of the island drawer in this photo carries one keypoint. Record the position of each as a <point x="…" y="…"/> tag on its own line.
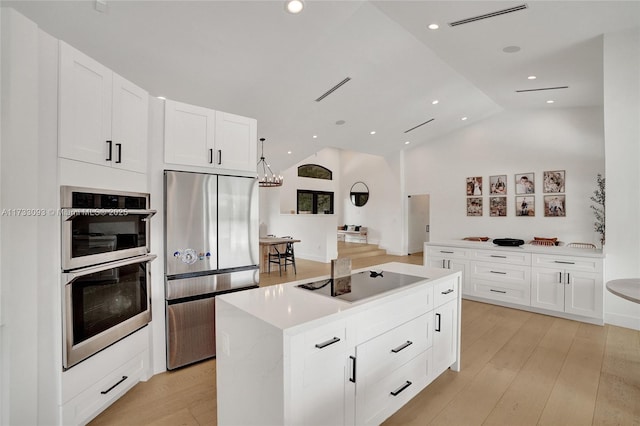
<point x="383" y="354"/>
<point x="445" y="291"/>
<point x="378" y="397"/>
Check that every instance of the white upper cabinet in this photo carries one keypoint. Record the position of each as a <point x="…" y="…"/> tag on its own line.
<point x="197" y="136"/>
<point x="103" y="118"/>
<point x="189" y="134"/>
<point x="236" y="142"/>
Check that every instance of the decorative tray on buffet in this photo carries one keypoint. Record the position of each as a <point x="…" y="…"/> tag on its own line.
<point x="508" y="242"/>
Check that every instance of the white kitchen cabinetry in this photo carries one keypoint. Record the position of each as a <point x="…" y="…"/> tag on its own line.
<point x="94" y="384"/>
<point x="568" y="284"/>
<point x="559" y="281"/>
<point x="103" y="118"/>
<point x="330" y="362"/>
<point x="452" y="258"/>
<point x="197" y="136"/>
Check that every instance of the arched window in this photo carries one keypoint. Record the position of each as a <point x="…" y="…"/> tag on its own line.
<point x="314" y="171"/>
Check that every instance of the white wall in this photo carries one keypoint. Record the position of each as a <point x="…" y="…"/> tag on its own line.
<point x="509" y="143"/>
<point x="20" y="254"/>
<point x="622" y="134"/>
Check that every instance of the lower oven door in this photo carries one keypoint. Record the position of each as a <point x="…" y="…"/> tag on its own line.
<point x="102" y="304"/>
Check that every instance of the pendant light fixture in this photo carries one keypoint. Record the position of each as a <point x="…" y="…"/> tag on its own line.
<point x="268" y="179"/>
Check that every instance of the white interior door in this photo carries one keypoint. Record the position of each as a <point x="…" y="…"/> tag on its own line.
<point x="418" y="222"/>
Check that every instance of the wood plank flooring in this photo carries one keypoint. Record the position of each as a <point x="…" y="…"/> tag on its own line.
<point x="518" y="368"/>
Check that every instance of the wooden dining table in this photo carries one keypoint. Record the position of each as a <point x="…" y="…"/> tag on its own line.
<point x="265" y="246"/>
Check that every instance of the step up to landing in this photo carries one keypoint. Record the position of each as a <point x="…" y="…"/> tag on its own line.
<point x="357" y="250"/>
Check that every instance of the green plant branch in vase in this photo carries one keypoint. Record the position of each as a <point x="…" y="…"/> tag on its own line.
<point x="598" y="197"/>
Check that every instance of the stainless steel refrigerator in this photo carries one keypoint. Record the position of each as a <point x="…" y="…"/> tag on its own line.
<point x="211" y="243"/>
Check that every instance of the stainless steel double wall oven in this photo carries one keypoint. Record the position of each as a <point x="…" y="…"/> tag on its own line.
<point x="105" y="264"/>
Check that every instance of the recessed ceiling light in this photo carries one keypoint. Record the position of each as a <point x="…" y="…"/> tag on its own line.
<point x="294" y="6"/>
<point x="315" y="136"/>
<point x="162" y="97"/>
<point x="511" y="49"/>
<point x="532" y="77"/>
<point x="407" y="142"/>
<point x="435" y="102"/>
<point x="373" y="132"/>
<point x="464" y="118"/>
<point x="340" y="122"/>
<point x="550" y="101"/>
<point x="434" y="26"/>
<point x="288" y="152"/>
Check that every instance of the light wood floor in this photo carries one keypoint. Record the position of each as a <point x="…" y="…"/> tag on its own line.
<point x="518" y="368"/>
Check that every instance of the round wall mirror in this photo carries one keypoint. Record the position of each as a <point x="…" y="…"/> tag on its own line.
<point x="359" y="194"/>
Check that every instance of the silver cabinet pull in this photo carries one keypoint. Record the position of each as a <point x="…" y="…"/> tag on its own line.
<point x="401" y="388"/>
<point x="498" y="272"/>
<point x="501" y="257"/>
<point x="327" y="343"/>
<point x="498" y="291"/>
<point x="564" y="262"/>
<point x="402" y="346"/>
<point x="447" y="291"/>
<point x="445" y="251"/>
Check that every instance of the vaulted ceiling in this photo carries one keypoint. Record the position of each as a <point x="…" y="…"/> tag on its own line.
<point x="252" y="58"/>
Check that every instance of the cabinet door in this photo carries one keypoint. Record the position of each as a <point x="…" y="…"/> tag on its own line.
<point x="189" y="134"/>
<point x="547" y="289"/>
<point x="583" y="293"/>
<point x="236" y="142"/>
<point x="444" y="339"/>
<point x="84" y="107"/>
<point x="130" y="117"/>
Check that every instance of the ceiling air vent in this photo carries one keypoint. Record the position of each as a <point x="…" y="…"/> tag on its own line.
<point x="421" y="124"/>
<point x="333" y="89"/>
<point x="488" y="15"/>
<point x="542" y="88"/>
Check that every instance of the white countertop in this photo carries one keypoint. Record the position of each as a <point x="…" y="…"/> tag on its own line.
<point x="285" y="306"/>
<point x="528" y="248"/>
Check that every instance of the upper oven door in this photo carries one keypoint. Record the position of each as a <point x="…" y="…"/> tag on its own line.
<point x="101" y="226"/>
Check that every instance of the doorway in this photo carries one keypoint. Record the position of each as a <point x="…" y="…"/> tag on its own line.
<point x="417" y="222"/>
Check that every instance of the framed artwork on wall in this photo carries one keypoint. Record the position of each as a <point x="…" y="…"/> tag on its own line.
<point x="497" y="206"/>
<point x="498" y="184"/>
<point x="554" y="206"/>
<point x="553" y="181"/>
<point x="474" y="206"/>
<point x="525" y="184"/>
<point x="525" y="206"/>
<point x="474" y="185"/>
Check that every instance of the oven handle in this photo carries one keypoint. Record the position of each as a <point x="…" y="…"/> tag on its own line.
<point x="71" y="276"/>
<point x="73" y="213"/>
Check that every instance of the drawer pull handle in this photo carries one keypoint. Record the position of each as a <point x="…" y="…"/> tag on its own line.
<point x="327" y="343"/>
<point x="445" y="251"/>
<point x="109" y="158"/>
<point x="401" y="388"/>
<point x="498" y="272"/>
<point x="566" y="263"/>
<point x="111" y="388"/>
<point x="498" y="291"/>
<point x="501" y="257"/>
<point x="210" y="156"/>
<point x="402" y="346"/>
<point x="438" y="322"/>
<point x="352" y="379"/>
<point x="448" y="291"/>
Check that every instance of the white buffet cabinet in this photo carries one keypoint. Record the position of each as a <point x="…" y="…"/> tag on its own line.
<point x="287" y="356"/>
<point x="559" y="281"/>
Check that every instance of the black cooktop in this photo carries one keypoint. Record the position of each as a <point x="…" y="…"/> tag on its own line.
<point x="361" y="285"/>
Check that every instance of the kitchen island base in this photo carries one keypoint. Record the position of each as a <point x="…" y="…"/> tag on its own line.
<point x="287" y="356"/>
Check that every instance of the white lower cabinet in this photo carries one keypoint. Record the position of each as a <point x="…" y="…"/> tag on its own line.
<point x="567" y="284"/>
<point x="90" y="387"/>
<point x="563" y="281"/>
<point x="353" y="370"/>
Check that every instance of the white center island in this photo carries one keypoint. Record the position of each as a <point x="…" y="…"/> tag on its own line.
<point x="291" y="356"/>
